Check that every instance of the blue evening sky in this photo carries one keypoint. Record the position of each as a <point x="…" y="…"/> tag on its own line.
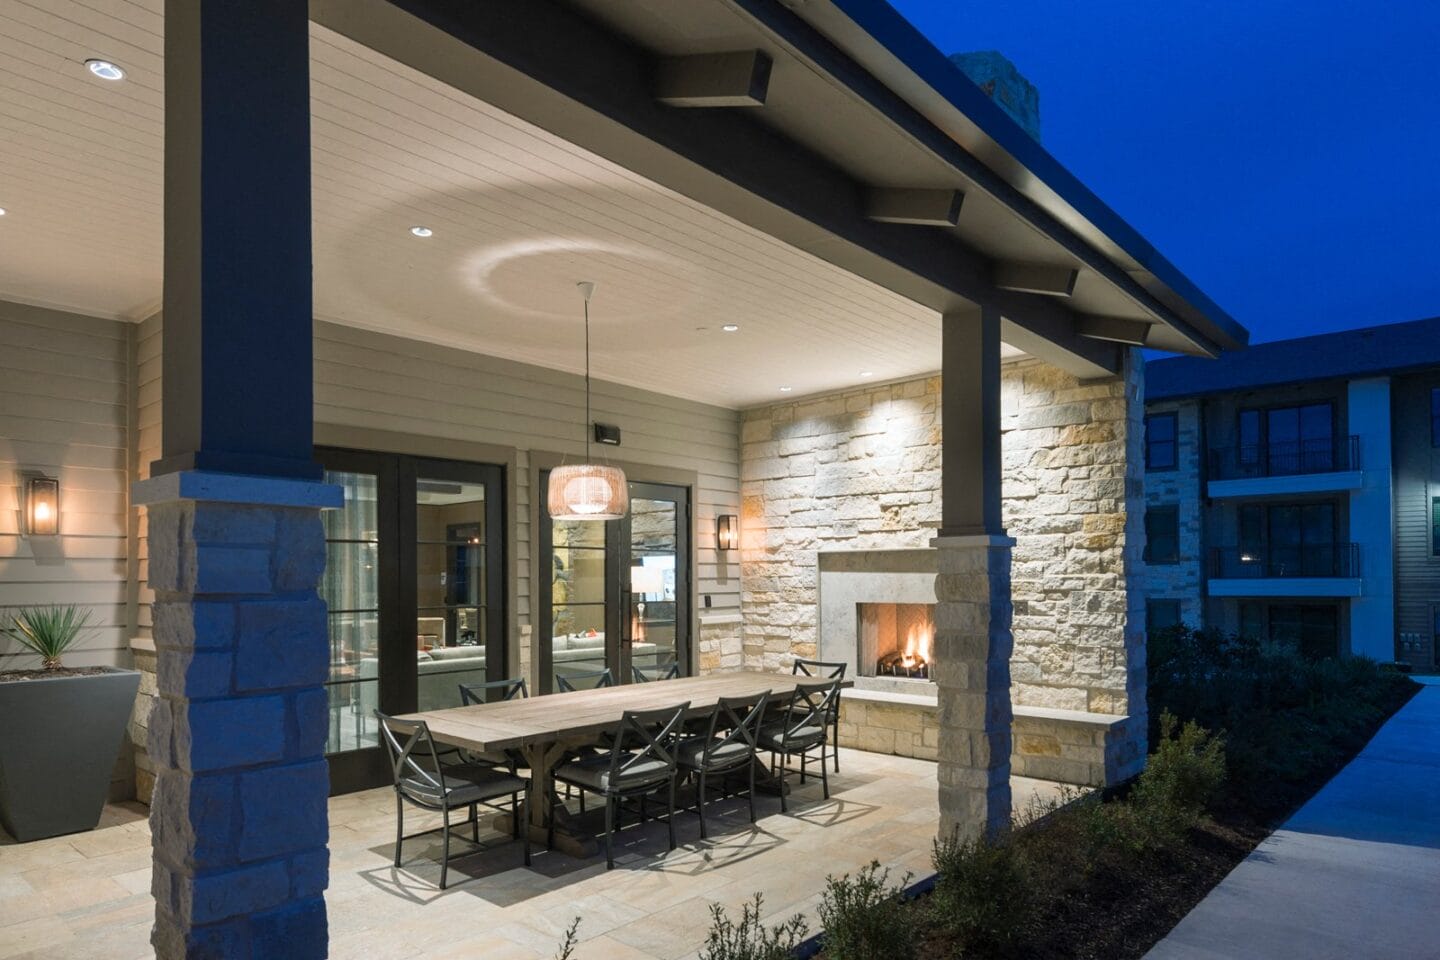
<point x="1284" y="155"/>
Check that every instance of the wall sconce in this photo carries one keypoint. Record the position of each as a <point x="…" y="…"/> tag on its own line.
<point x="727" y="532"/>
<point x="42" y="506"/>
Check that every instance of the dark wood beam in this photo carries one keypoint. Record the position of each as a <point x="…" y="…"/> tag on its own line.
<point x="737" y="79"/>
<point x="970" y="475"/>
<point x="1044" y="279"/>
<point x="927" y="208"/>
<point x="1115" y="329"/>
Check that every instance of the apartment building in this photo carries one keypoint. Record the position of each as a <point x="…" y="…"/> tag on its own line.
<point x="1293" y="492"/>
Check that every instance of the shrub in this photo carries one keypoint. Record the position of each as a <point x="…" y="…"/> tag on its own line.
<point x="48" y="632"/>
<point x="749" y="939"/>
<point x="865" y="918"/>
<point x="983" y="897"/>
<point x="1184" y="772"/>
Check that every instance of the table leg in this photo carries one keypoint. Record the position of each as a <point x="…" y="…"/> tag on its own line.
<point x="544" y="802"/>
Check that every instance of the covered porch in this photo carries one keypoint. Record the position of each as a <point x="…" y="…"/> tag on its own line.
<point x="315" y="375"/>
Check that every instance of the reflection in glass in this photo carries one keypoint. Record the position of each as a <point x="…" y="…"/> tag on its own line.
<point x="451" y="644"/>
<point x="654" y="536"/>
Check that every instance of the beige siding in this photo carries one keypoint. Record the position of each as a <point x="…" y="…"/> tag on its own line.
<point x="63" y="412"/>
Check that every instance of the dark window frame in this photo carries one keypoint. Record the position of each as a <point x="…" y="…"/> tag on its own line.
<point x="1173" y="442"/>
<point x="1152" y="512"/>
<point x="1435" y="416"/>
<point x="1263" y="452"/>
<point x="1435" y="526"/>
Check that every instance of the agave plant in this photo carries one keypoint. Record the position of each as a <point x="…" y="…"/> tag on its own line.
<point x="49" y="631"/>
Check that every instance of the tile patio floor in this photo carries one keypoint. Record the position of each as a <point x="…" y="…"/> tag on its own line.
<point x="87" y="895"/>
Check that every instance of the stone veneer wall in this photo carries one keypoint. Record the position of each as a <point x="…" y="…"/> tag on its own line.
<point x="861" y="470"/>
<point x="1183" y="581"/>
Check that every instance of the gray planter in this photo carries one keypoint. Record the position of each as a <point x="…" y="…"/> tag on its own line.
<point x="58" y="745"/>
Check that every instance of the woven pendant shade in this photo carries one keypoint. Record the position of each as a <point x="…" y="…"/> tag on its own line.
<point x="588" y="491"/>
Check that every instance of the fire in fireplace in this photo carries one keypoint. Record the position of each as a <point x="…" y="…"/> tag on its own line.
<point x="895" y="639"/>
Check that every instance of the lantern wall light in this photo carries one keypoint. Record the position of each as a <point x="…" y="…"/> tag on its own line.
<point x="727" y="532"/>
<point x="42" y="506"/>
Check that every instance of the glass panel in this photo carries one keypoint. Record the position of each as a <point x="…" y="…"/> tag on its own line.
<point x="1319" y="635"/>
<point x="451" y="642"/>
<point x="1435" y="417"/>
<point x="1317" y="438"/>
<point x="351" y="589"/>
<point x="1285" y="541"/>
<point x="654" y="537"/>
<point x="1249" y="426"/>
<point x="1282" y="428"/>
<point x="1160" y="441"/>
<point x="1252" y="621"/>
<point x="577" y="600"/>
<point x="1318" y="533"/>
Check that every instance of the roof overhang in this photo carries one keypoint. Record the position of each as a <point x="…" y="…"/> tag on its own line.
<point x="844" y="115"/>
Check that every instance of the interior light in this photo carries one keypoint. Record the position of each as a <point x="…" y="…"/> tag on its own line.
<point x="106" y="70"/>
<point x="2" y="211"/>
<point x="422" y="231"/>
<point x="786" y="389"/>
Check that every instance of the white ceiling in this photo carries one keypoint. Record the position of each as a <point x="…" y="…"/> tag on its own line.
<point x="518" y="217"/>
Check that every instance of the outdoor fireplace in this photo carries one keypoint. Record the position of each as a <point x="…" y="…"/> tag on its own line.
<point x="894" y="639"/>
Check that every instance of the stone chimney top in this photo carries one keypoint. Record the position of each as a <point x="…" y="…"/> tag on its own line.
<point x="1004" y="84"/>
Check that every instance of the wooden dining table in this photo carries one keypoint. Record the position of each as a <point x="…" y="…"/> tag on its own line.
<point x="544" y="730"/>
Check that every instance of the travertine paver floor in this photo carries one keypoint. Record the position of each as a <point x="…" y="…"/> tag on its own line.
<point x="87" y="895"/>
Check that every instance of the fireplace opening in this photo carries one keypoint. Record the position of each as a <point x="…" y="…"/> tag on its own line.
<point x="895" y="639"/>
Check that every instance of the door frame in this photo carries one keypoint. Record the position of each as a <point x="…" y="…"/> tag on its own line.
<point x="544" y="460"/>
<point x="398" y="677"/>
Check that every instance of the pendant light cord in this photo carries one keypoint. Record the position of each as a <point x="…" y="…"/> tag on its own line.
<point x="587" y="380"/>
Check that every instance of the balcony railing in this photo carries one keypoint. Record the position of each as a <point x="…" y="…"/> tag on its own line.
<point x="1315" y="560"/>
<point x="1287" y="459"/>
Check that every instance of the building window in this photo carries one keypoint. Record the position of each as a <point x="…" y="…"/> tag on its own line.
<point x="1252" y="621"/>
<point x="1161" y="615"/>
<point x="1290" y="540"/>
<point x="1435" y="416"/>
<point x="1313" y="629"/>
<point x="1161" y="448"/>
<point x="1162" y="534"/>
<point x="1287" y="440"/>
<point x="1435" y="526"/>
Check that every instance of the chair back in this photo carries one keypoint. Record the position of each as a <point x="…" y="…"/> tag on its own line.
<point x="643" y="738"/>
<point x="512" y="689"/>
<point x="408" y="743"/>
<point x="826" y="669"/>
<point x="742" y="716"/>
<point x="670" y="672"/>
<point x="811" y="705"/>
<point x="577" y="681"/>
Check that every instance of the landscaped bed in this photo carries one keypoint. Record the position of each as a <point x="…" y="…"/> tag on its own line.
<point x="1242" y="734"/>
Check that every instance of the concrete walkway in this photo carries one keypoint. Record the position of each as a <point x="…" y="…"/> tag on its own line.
<point x="1355" y="873"/>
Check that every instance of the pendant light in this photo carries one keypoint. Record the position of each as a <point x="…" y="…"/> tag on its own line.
<point x="589" y="490"/>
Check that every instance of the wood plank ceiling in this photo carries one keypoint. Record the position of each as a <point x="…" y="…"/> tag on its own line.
<point x="518" y="216"/>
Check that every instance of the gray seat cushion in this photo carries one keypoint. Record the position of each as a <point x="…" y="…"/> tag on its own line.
<point x="593" y="773"/>
<point x="464" y="784"/>
<point x="692" y="752"/>
<point x="772" y="736"/>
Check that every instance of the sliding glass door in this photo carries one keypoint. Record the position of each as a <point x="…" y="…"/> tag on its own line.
<point x="616" y="595"/>
<point x="414" y="581"/>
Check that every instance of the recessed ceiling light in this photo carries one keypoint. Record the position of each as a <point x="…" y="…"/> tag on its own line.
<point x="421" y="231"/>
<point x="2" y="211"/>
<point x="786" y="389"/>
<point x="867" y="373"/>
<point x="730" y="327"/>
<point x="106" y="70"/>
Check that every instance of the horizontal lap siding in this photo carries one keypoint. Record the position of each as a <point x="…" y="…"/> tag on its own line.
<point x="64" y="394"/>
<point x="1416" y="481"/>
<point x="366" y="379"/>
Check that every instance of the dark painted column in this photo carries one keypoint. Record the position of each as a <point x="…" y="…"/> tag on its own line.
<point x="973" y="640"/>
<point x="239" y="817"/>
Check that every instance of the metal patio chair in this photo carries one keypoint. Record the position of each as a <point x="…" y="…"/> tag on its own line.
<point x="446" y="787"/>
<point x="670" y="672"/>
<point x="513" y="688"/>
<point x="602" y="678"/>
<point x="828" y="670"/>
<point x="640" y="761"/>
<point x="728" y="743"/>
<point x="801" y="729"/>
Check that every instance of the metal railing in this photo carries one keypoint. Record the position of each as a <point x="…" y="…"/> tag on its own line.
<point x="1314" y="560"/>
<point x="1286" y="459"/>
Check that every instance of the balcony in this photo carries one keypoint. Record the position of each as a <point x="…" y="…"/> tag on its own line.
<point x="1319" y="570"/>
<point x="1295" y="467"/>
